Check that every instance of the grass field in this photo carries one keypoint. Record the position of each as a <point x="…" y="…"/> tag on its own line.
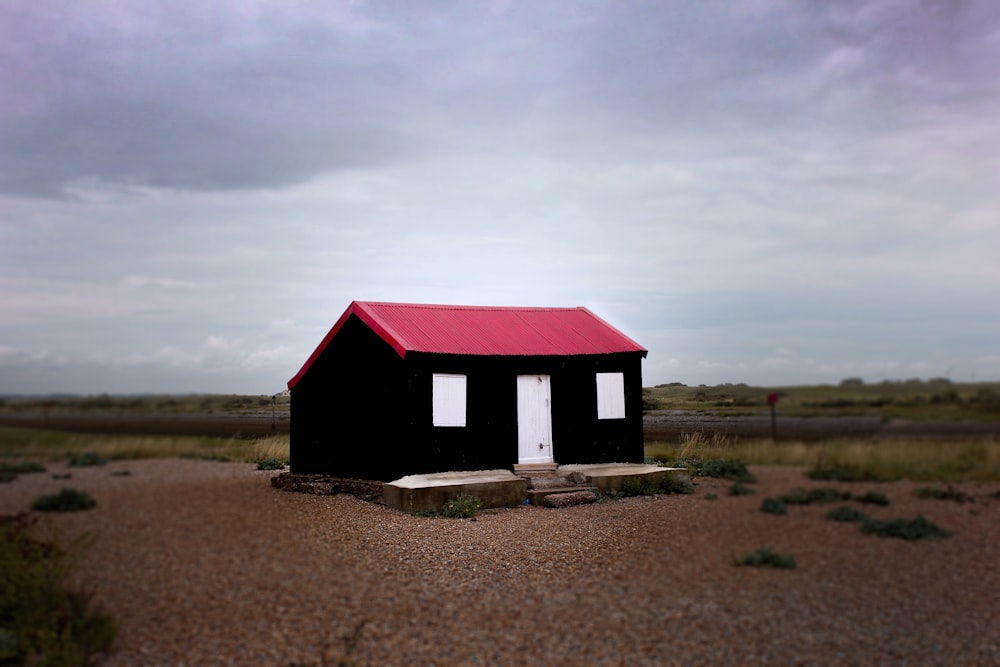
<point x="947" y="460"/>
<point x="937" y="399"/>
<point x="44" y="446"/>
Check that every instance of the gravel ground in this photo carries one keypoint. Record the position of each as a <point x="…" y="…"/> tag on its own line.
<point x="205" y="563"/>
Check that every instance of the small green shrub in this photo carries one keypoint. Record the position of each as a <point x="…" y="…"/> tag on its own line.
<point x="676" y="484"/>
<point x="609" y="495"/>
<point x="205" y="456"/>
<point x="648" y="487"/>
<point x="939" y="493"/>
<point x="711" y="496"/>
<point x="904" y="529"/>
<point x="272" y="463"/>
<point x="463" y="506"/>
<point x="765" y="557"/>
<point x="22" y="468"/>
<point x="873" y="498"/>
<point x="41" y="621"/>
<point x="846" y="513"/>
<point x="87" y="459"/>
<point x="820" y="495"/>
<point x="732" y="469"/>
<point x="740" y="489"/>
<point x="638" y="487"/>
<point x="67" y="500"/>
<point x="774" y="506"/>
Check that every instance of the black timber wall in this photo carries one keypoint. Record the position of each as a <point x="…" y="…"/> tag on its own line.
<point x="489" y="439"/>
<point x="363" y="412"/>
<point x="346" y="412"/>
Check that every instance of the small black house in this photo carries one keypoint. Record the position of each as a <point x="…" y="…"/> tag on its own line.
<point x="397" y="389"/>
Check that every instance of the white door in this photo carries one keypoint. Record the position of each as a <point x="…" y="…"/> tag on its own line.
<point x="534" y="419"/>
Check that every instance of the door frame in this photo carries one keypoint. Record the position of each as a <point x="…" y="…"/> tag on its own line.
<point x="534" y="419"/>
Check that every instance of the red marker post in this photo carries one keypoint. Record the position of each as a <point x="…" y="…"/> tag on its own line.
<point x="772" y="400"/>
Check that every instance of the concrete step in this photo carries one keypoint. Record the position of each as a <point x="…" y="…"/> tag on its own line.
<point x="538" y="496"/>
<point x="535" y="469"/>
<point x="553" y="482"/>
<point x="569" y="498"/>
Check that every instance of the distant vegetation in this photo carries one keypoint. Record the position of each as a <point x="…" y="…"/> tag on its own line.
<point x="169" y="404"/>
<point x="935" y="399"/>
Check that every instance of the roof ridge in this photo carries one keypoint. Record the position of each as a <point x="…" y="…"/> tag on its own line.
<point x="447" y="306"/>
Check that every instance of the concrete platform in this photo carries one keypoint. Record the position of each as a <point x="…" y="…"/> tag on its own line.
<point x="502" y="488"/>
<point x="418" y="493"/>
<point x="606" y="477"/>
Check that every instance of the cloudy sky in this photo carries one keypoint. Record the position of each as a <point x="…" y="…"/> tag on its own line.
<point x="766" y="192"/>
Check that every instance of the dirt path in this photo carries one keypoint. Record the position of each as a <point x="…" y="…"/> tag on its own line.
<point x="206" y="564"/>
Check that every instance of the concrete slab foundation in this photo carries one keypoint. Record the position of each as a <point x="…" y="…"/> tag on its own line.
<point x="606" y="477"/>
<point x="418" y="493"/>
<point x="502" y="488"/>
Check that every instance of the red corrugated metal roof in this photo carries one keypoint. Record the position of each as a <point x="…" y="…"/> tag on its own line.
<point x="483" y="330"/>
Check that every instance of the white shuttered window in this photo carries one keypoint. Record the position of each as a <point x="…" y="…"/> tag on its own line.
<point x="610" y="395"/>
<point x="449" y="400"/>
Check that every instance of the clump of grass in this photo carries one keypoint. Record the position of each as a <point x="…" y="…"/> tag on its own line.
<point x="820" y="495"/>
<point x="10" y="471"/>
<point x="765" y="557"/>
<point x="464" y="506"/>
<point x="840" y="473"/>
<point x="205" y="456"/>
<point x="274" y="447"/>
<point x="272" y="463"/>
<point x="846" y="513"/>
<point x="904" y="529"/>
<point x="938" y="493"/>
<point x="872" y="498"/>
<point x="427" y="513"/>
<point x="67" y="500"/>
<point x="740" y="489"/>
<point x="711" y="496"/>
<point x="44" y="622"/>
<point x="732" y="469"/>
<point x="774" y="506"/>
<point x="87" y="459"/>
